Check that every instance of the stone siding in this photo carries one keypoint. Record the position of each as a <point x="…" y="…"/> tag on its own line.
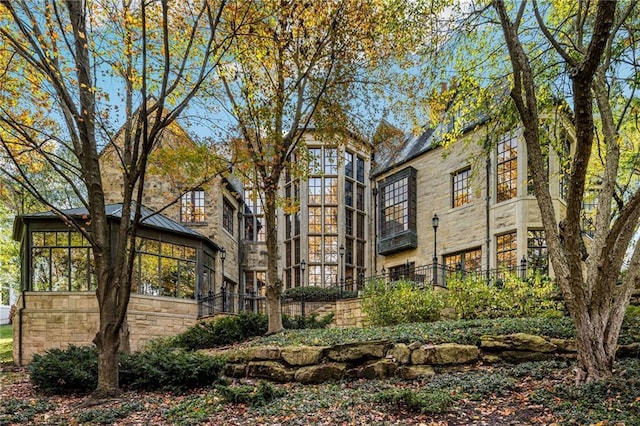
<point x="349" y="313"/>
<point x="56" y="320"/>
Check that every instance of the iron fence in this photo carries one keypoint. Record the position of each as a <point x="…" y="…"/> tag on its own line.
<point x="304" y="301"/>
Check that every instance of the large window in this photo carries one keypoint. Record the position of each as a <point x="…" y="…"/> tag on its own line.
<point x="507" y="168"/>
<point x="254" y="229"/>
<point x="537" y="253"/>
<point x="506" y="251"/>
<point x="460" y="189"/>
<point x="397" y="210"/>
<point x="468" y="260"/>
<point x="61" y="261"/>
<point x="164" y="269"/>
<point x="192" y="207"/>
<point x="227" y="216"/>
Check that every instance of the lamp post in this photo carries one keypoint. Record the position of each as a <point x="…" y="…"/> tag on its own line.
<point x="303" y="266"/>
<point x="341" y="250"/>
<point x="223" y="256"/>
<point x="435" y="222"/>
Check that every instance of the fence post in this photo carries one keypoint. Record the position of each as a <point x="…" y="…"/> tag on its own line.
<point x="224" y="299"/>
<point x="302" y="302"/>
<point x="523" y="267"/>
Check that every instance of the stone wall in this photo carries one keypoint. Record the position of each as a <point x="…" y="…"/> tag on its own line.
<point x="349" y="313"/>
<point x="56" y="320"/>
<point x="381" y="359"/>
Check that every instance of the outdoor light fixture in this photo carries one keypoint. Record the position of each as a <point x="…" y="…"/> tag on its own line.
<point x="341" y="251"/>
<point x="435" y="221"/>
<point x="223" y="254"/>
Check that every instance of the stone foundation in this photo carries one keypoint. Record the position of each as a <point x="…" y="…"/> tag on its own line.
<point x="58" y="319"/>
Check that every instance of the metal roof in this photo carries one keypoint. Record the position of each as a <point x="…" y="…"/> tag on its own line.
<point x="150" y="219"/>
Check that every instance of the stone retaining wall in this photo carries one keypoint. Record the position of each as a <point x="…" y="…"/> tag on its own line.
<point x="58" y="319"/>
<point x="380" y="359"/>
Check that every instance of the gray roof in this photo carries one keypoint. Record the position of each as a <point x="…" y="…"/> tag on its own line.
<point x="114" y="211"/>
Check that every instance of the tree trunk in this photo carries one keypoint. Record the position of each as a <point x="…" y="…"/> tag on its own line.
<point x="107" y="341"/>
<point x="274" y="283"/>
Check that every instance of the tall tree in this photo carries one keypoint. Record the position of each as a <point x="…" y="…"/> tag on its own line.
<point x="588" y="39"/>
<point x="299" y="64"/>
<point x="64" y="60"/>
<point x="579" y="57"/>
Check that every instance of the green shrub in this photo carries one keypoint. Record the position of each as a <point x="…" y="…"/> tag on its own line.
<point x="318" y="294"/>
<point x="473" y="297"/>
<point x="72" y="370"/>
<point x="298" y="322"/>
<point x="194" y="410"/>
<point x="222" y="331"/>
<point x="425" y="401"/>
<point x="401" y="302"/>
<point x="474" y="384"/>
<point x="169" y="369"/>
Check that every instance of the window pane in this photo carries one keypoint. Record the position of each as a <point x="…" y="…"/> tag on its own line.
<point x="169" y="277"/>
<point x="360" y="170"/>
<point x="330" y="249"/>
<point x="507" y="168"/>
<point x="331" y="190"/>
<point x="330" y="161"/>
<point x="348" y="164"/>
<point x="315" y="220"/>
<point x="537" y="253"/>
<point x="315" y="249"/>
<point x="187" y="280"/>
<point x="40" y="259"/>
<point x="507" y="251"/>
<point x="331" y="220"/>
<point x="461" y="192"/>
<point x="315" y="190"/>
<point x="80" y="269"/>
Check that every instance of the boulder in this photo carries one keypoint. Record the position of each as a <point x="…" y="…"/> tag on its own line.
<point x="263" y="353"/>
<point x="524" y="356"/>
<point x="270" y="370"/>
<point x="400" y="352"/>
<point x="235" y="370"/>
<point x="517" y="342"/>
<point x="447" y="353"/>
<point x="628" y="351"/>
<point x="565" y="345"/>
<point x="235" y="355"/>
<point x="378" y="369"/>
<point x="302" y="355"/>
<point x="320" y="373"/>
<point x="413" y="372"/>
<point x="358" y="351"/>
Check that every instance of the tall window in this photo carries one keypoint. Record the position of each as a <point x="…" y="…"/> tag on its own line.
<point x="192" y="206"/>
<point x="460" y="190"/>
<point x="537" y="253"/>
<point x="227" y="216"/>
<point x="507" y="168"/>
<point x="254" y="229"/>
<point x="506" y="251"/>
<point x="398" y="203"/>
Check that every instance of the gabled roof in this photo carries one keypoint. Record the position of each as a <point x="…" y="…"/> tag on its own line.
<point x="114" y="211"/>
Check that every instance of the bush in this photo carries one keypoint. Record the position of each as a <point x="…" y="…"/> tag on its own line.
<point x="473" y="297"/>
<point x="401" y="302"/>
<point x="106" y="416"/>
<point x="22" y="411"/>
<point x="72" y="370"/>
<point x="169" y="369"/>
<point x="318" y="294"/>
<point x="222" y="331"/>
<point x="75" y="370"/>
<point x="298" y="322"/>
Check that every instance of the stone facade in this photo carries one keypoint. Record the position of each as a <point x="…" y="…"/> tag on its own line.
<point x="55" y="320"/>
<point x="476" y="223"/>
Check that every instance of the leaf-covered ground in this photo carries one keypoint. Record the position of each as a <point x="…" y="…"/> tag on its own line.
<point x="525" y="394"/>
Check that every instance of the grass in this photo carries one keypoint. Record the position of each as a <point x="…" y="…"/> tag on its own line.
<point x="6" y="344"/>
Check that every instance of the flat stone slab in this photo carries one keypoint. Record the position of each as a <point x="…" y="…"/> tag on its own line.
<point x="358" y="351"/>
<point x="447" y="353"/>
<point x="517" y="342"/>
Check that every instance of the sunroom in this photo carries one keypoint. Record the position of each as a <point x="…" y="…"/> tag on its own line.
<point x="57" y="307"/>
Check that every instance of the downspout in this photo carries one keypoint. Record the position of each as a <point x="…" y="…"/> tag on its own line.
<point x="488" y="206"/>
<point x="242" y="291"/>
<point x="24" y="305"/>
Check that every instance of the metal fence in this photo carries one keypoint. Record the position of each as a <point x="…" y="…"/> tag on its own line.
<point x="303" y="303"/>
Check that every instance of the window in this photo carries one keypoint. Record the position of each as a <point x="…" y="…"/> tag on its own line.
<point x="401" y="272"/>
<point x="192" y="206"/>
<point x="330" y="161"/>
<point x="360" y="169"/>
<point x="254" y="229"/>
<point x="506" y="251"/>
<point x="348" y="164"/>
<point x="360" y="197"/>
<point x="315" y="190"/>
<point x="61" y="261"/>
<point x="348" y="193"/>
<point x="468" y="260"/>
<point x="227" y="216"/>
<point x="537" y="253"/>
<point x="398" y="203"/>
<point x="460" y="190"/>
<point x="507" y="168"/>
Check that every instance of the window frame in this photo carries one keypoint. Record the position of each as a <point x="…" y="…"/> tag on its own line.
<point x="460" y="187"/>
<point x="194" y="212"/>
